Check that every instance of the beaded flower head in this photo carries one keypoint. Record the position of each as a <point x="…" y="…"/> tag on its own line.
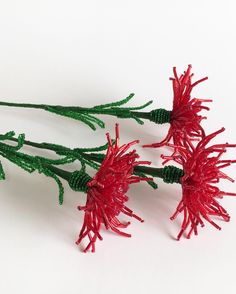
<point x="202" y="168"/>
<point x="106" y="192"/>
<point x="185" y="118"/>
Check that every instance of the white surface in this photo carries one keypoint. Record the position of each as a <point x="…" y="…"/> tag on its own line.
<point x="90" y="52"/>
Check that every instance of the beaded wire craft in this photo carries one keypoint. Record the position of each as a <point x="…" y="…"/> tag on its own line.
<point x="117" y="166"/>
<point x="184" y="118"/>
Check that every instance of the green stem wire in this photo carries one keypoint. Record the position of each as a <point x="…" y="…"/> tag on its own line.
<point x="86" y="114"/>
<point x="92" y="159"/>
<point x="78" y="179"/>
<point x="169" y="174"/>
<point x="23" y="105"/>
<point x="31" y="163"/>
<point x="72" y="154"/>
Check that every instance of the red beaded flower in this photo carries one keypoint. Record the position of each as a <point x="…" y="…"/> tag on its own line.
<point x="185" y="120"/>
<point x="202" y="167"/>
<point x="106" y="195"/>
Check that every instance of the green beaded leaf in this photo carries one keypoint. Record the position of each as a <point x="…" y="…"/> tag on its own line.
<point x="96" y="120"/>
<point x="59" y="183"/>
<point x="86" y="115"/>
<point x="2" y="173"/>
<point x="70" y="154"/>
<point x="99" y="156"/>
<point x="151" y="183"/>
<point x="96" y="149"/>
<point x="17" y="160"/>
<point x="49" y="146"/>
<point x="86" y="118"/>
<point x="121" y="112"/>
<point x="64" y="160"/>
<point x="8" y="135"/>
<point x="90" y="163"/>
<point x="117" y="103"/>
<point x="32" y="163"/>
<point x="20" y="142"/>
<point x="137" y="107"/>
<point x="93" y="149"/>
<point x="47" y="172"/>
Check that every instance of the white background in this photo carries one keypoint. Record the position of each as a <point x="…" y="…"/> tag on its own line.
<point x="91" y="52"/>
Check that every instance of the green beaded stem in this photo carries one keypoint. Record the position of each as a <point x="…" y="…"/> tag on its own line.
<point x="160" y="116"/>
<point x="172" y="174"/>
<point x="86" y="156"/>
<point x="78" y="181"/>
<point x="71" y="154"/>
<point x="30" y="163"/>
<point x="87" y="115"/>
<point x="169" y="174"/>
